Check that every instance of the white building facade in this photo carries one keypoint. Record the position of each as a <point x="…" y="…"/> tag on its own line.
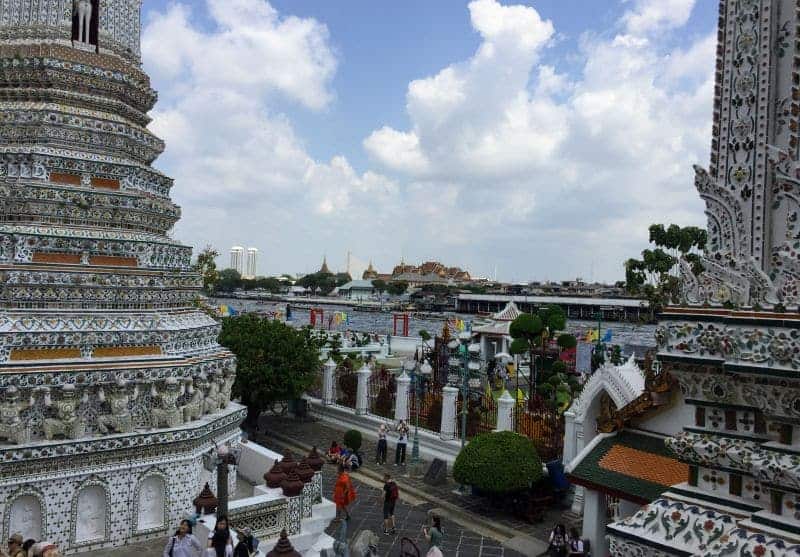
<point x="237" y="259"/>
<point x="251" y="266"/>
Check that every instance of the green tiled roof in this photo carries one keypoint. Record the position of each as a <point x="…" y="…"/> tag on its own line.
<point x="591" y="474"/>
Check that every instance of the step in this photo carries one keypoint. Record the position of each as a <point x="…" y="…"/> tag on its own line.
<point x="326" y="509"/>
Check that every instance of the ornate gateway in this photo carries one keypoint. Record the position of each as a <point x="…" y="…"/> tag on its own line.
<point x="112" y="386"/>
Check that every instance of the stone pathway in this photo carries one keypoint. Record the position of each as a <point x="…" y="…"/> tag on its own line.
<point x="312" y="432"/>
<point x="367" y="514"/>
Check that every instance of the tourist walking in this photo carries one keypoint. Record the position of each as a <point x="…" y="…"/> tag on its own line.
<point x="248" y="544"/>
<point x="434" y="536"/>
<point x="402" y="440"/>
<point x="183" y="543"/>
<point x="343" y="494"/>
<point x="390" y="494"/>
<point x="558" y="542"/>
<point x="380" y="458"/>
<point x="15" y="545"/>
<point x="220" y="543"/>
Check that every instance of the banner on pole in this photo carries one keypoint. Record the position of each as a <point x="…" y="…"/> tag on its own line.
<point x="583" y="358"/>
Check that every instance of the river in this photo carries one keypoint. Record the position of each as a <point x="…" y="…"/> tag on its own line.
<point x="381" y="322"/>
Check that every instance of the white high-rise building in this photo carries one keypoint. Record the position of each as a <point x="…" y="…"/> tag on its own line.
<point x="237" y="259"/>
<point x="252" y="263"/>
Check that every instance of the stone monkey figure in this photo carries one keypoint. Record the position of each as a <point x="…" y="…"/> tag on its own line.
<point x="120" y="419"/>
<point x="11" y="426"/>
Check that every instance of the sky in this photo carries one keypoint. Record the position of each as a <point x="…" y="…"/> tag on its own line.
<point x="534" y="140"/>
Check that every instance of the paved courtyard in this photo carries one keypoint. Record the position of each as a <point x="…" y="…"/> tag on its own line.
<point x="311" y="432"/>
<point x="367" y="514"/>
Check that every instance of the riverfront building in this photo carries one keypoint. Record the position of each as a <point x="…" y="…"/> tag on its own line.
<point x="237" y="259"/>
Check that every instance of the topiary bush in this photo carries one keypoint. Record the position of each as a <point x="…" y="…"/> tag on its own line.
<point x="352" y="439"/>
<point x="498" y="463"/>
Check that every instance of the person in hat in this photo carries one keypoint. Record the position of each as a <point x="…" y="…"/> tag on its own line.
<point x="15" y="542"/>
<point x="248" y="544"/>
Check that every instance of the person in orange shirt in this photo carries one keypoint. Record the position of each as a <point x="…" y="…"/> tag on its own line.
<point x="343" y="494"/>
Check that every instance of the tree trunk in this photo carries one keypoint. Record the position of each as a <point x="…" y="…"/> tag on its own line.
<point x="531" y="376"/>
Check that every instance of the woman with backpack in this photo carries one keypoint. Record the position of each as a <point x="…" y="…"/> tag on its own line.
<point x="183" y="543"/>
<point x="390" y="496"/>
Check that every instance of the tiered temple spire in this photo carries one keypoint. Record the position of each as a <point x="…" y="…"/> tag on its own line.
<point x="113" y="385"/>
<point x="734" y="344"/>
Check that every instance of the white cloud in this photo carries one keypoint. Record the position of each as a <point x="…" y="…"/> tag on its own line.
<point x="564" y="170"/>
<point x="508" y="158"/>
<point x="242" y="174"/>
<point x="648" y="16"/>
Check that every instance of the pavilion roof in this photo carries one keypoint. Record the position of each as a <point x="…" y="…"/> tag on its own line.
<point x="508" y="313"/>
<point x="633" y="466"/>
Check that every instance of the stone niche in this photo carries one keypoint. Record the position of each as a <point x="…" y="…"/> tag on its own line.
<point x="25" y="517"/>
<point x="151" y="504"/>
<point x="90" y="518"/>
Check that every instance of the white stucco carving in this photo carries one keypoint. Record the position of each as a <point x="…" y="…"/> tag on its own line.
<point x="26" y="517"/>
<point x="92" y="513"/>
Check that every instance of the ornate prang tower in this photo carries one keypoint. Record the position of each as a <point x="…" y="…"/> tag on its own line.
<point x="112" y="386"/>
<point x="734" y="342"/>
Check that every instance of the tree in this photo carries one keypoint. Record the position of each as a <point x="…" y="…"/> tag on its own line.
<point x="340" y="279"/>
<point x="380" y="286"/>
<point x="275" y="362"/>
<point x="229" y="280"/>
<point x="656" y="275"/>
<point x="397" y="287"/>
<point x="321" y="283"/>
<point x="530" y="331"/>
<point x="206" y="265"/>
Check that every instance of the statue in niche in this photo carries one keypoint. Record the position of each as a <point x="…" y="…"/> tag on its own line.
<point x="167" y="413"/>
<point x="193" y="409"/>
<point x="92" y="510"/>
<point x="120" y="419"/>
<point x="66" y="421"/>
<point x="11" y="426"/>
<point x="26" y="517"/>
<point x="151" y="504"/>
<point x="227" y="387"/>
<point x="211" y="403"/>
<point x="82" y="10"/>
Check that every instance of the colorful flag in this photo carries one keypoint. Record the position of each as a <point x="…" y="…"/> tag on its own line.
<point x="227" y="311"/>
<point x="592" y="335"/>
<point x="607" y="336"/>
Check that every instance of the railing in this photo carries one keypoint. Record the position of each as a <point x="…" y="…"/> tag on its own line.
<point x="381" y="392"/>
<point x="430" y="409"/>
<point x="346" y="385"/>
<point x="544" y="426"/>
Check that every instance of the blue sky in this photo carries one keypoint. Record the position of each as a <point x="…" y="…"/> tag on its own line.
<point x="329" y="110"/>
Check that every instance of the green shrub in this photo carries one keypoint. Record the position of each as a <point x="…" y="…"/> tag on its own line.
<point x="498" y="463"/>
<point x="558" y="367"/>
<point x="352" y="439"/>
